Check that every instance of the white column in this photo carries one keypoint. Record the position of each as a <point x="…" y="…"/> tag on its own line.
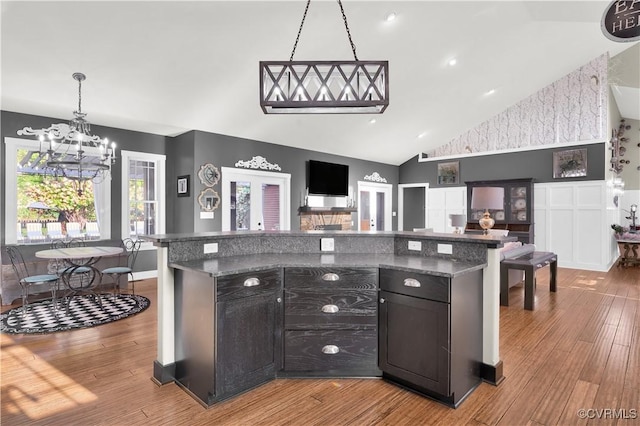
<point x="166" y="340"/>
<point x="491" y="309"/>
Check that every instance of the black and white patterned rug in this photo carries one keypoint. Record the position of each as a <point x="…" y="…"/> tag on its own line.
<point x="84" y="311"/>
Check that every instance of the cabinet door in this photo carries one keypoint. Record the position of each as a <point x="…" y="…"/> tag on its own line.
<point x="247" y="342"/>
<point x="518" y="197"/>
<point x="414" y="341"/>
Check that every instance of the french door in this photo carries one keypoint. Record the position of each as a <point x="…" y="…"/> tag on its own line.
<point x="255" y="200"/>
<point x="374" y="206"/>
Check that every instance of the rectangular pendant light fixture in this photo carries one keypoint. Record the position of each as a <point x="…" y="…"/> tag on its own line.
<point x="324" y="87"/>
<point x="329" y="87"/>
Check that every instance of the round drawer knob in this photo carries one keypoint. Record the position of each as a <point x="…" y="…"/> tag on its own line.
<point x="330" y="349"/>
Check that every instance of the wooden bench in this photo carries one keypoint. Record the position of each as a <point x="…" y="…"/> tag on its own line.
<point x="529" y="263"/>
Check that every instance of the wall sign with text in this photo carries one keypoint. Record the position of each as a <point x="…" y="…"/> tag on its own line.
<point x="621" y="21"/>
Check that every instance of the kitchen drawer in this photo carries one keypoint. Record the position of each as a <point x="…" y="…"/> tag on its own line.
<point x="242" y="285"/>
<point x="327" y="277"/>
<point x="415" y="284"/>
<point x="330" y="309"/>
<point x="330" y="351"/>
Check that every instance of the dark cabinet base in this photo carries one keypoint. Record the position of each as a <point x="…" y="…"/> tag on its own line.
<point x="452" y="400"/>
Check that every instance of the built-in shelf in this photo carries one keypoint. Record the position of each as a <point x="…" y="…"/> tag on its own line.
<point x="308" y="209"/>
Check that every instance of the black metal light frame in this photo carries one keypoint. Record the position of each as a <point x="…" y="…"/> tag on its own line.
<point x="324" y="87"/>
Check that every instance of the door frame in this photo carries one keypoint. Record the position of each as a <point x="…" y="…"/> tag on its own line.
<point x="401" y="188"/>
<point x="387" y="188"/>
<point x="230" y="174"/>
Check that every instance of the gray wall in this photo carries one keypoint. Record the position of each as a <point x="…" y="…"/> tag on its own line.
<point x="537" y="164"/>
<point x="11" y="122"/>
<point x="225" y="151"/>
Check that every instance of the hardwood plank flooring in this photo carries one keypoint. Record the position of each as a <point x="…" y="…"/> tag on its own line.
<point x="579" y="349"/>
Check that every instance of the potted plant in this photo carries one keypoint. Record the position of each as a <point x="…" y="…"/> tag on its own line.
<point x="618" y="231"/>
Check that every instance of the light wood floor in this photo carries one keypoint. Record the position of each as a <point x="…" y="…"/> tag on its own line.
<point x="580" y="349"/>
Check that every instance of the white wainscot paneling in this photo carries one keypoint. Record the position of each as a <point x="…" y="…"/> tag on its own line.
<point x="590" y="196"/>
<point x="561" y="196"/>
<point x="589" y="244"/>
<point x="443" y="202"/>
<point x="561" y="230"/>
<point x="573" y="221"/>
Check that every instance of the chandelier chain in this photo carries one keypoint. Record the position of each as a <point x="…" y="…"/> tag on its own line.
<point x="346" y="26"/>
<point x="80" y="96"/>
<point x="306" y="9"/>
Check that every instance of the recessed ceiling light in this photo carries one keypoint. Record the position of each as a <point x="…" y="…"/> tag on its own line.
<point x="422" y="135"/>
<point x="452" y="62"/>
<point x="390" y="16"/>
<point x="490" y="92"/>
<point x="372" y="121"/>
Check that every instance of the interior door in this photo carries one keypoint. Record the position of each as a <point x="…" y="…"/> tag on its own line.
<point x="255" y="200"/>
<point x="374" y="206"/>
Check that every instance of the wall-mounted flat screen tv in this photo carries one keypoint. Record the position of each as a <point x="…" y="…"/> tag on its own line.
<point x="328" y="178"/>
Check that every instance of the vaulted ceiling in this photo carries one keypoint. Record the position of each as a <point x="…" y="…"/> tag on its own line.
<point x="171" y="66"/>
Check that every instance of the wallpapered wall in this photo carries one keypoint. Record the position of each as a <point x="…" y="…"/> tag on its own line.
<point x="571" y="109"/>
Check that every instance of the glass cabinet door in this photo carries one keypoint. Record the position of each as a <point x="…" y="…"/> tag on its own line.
<point x="518" y="204"/>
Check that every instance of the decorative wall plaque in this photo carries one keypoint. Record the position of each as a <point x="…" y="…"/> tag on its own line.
<point x="258" y="162"/>
<point x="208" y="200"/>
<point x="209" y="174"/>
<point x="375" y="177"/>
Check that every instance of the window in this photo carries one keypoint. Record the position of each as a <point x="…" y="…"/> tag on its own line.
<point x="143" y="192"/>
<point x="38" y="202"/>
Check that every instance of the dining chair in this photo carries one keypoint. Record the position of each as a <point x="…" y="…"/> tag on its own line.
<point x="34" y="231"/>
<point x="130" y="249"/>
<point x="27" y="280"/>
<point x="54" y="230"/>
<point x="60" y="267"/>
<point x="92" y="230"/>
<point x="74" y="230"/>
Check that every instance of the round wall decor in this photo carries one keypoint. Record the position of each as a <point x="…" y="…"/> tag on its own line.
<point x="209" y="174"/>
<point x="208" y="200"/>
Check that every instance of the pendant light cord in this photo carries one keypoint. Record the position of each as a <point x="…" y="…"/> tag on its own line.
<point x="346" y="26"/>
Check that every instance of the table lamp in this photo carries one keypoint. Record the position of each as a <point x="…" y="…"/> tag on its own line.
<point x="487" y="198"/>
<point x="457" y="220"/>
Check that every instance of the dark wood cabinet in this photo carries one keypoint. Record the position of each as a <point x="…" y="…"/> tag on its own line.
<point x="330" y="322"/>
<point x="229" y="332"/>
<point x="516" y="214"/>
<point x="430" y="332"/>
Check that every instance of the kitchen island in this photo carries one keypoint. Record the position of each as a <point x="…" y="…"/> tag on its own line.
<point x="288" y="293"/>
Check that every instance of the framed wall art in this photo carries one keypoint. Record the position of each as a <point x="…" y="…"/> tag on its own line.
<point x="570" y="163"/>
<point x="448" y="173"/>
<point x="183" y="186"/>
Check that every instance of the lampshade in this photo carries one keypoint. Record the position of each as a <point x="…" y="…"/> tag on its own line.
<point x="457" y="219"/>
<point x="487" y="198"/>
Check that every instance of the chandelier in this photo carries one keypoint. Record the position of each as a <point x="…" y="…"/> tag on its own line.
<point x="70" y="150"/>
<point x="316" y="87"/>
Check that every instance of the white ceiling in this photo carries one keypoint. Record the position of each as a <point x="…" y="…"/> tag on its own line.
<point x="172" y="66"/>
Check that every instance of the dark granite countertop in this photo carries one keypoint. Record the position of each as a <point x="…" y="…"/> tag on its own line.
<point x="160" y="239"/>
<point x="258" y="262"/>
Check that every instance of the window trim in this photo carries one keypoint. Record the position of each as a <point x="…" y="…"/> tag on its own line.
<point x="11" y="197"/>
<point x="160" y="162"/>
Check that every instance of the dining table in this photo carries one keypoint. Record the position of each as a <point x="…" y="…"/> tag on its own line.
<point x="79" y="273"/>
